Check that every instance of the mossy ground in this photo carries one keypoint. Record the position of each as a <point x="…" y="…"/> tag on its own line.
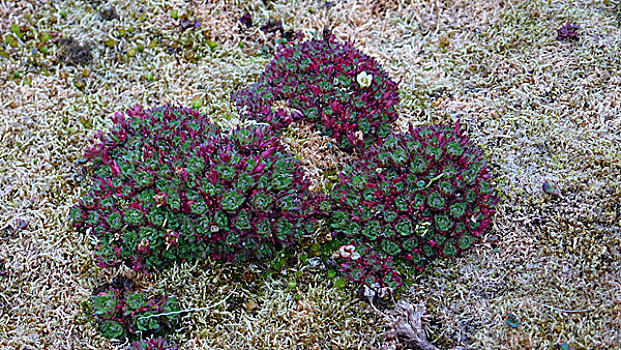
<point x="542" y="110"/>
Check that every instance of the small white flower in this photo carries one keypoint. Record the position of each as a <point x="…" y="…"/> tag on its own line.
<point x="364" y="79"/>
<point x="347" y="250"/>
<point x="359" y="135"/>
<point x="368" y="292"/>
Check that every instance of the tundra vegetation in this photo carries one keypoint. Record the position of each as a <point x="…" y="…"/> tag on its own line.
<point x="533" y="85"/>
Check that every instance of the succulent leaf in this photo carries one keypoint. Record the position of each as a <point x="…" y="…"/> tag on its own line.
<point x="464" y="242"/>
<point x="449" y="248"/>
<point x="443" y="223"/>
<point x="436" y="200"/>
<point x="391" y="248"/>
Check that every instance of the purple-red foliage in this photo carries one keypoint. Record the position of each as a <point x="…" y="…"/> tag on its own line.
<point x="121" y="312"/>
<point x="372" y="270"/>
<point x="418" y="195"/>
<point x="168" y="186"/>
<point x="567" y="32"/>
<point x="158" y="343"/>
<point x="317" y="81"/>
<point x="246" y="20"/>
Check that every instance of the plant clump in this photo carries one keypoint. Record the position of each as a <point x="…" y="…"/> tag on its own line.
<point x="121" y="312"/>
<point x="419" y="195"/>
<point x="246" y="20"/>
<point x="169" y="186"/>
<point x="365" y="267"/>
<point x="344" y="93"/>
<point x="568" y="32"/>
<point x="158" y="343"/>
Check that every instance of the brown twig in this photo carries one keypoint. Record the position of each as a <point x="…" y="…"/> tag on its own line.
<point x="405" y="323"/>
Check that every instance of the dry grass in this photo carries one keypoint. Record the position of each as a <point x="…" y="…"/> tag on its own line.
<point x="540" y="109"/>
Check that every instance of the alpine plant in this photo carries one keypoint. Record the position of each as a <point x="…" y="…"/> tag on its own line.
<point x="168" y="185"/>
<point x="158" y="343"/>
<point x="419" y="195"/>
<point x="374" y="271"/>
<point x="344" y="93"/>
<point x="568" y="32"/>
<point x="123" y="313"/>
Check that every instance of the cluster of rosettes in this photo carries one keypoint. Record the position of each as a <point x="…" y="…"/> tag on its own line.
<point x="168" y="186"/>
<point x="158" y="343"/>
<point x="122" y="313"/>
<point x="342" y="92"/>
<point x="418" y="195"/>
<point x="365" y="267"/>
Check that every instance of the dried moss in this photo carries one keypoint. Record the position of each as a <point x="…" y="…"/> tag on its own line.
<point x="293" y="309"/>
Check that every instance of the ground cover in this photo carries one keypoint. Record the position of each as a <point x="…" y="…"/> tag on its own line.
<point x="543" y="111"/>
